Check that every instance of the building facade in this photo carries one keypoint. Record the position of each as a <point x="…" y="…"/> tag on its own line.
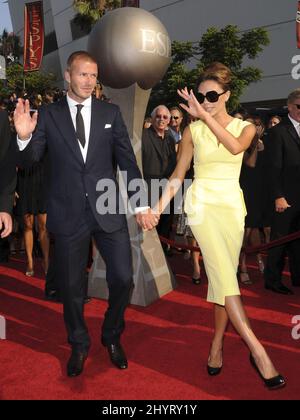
<point x="187" y="20"/>
<point x="62" y="36"/>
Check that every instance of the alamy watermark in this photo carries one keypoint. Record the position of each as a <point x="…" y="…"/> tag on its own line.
<point x="113" y="198"/>
<point x="2" y="328"/>
<point x="296" y="329"/>
<point x="296" y="69"/>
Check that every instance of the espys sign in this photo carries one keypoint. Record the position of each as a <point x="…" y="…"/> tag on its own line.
<point x="155" y="43"/>
<point x="131" y="46"/>
<point x="33" y="36"/>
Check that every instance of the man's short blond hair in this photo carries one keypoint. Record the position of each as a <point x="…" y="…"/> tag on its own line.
<point x="79" y="54"/>
<point x="293" y="96"/>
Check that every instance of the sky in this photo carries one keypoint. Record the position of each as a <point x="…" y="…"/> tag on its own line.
<point x="5" y="21"/>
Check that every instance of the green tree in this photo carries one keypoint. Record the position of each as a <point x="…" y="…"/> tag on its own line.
<point x="90" y="11"/>
<point x="36" y="82"/>
<point x="228" y="46"/>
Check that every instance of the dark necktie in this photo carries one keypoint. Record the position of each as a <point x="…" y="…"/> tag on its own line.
<point x="80" y="133"/>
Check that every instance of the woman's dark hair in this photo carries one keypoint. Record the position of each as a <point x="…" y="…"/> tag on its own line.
<point x="219" y="73"/>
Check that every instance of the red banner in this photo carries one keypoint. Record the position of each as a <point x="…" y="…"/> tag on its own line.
<point x="298" y="25"/>
<point x="33" y="35"/>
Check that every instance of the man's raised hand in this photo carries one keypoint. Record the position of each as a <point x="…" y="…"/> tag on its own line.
<point x="5" y="224"/>
<point x="24" y="123"/>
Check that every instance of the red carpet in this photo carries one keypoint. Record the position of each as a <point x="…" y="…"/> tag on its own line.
<point x="167" y="345"/>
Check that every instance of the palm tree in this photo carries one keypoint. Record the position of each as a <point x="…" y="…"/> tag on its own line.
<point x="89" y="11"/>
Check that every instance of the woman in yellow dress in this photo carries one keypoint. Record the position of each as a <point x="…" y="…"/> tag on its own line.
<point x="216" y="210"/>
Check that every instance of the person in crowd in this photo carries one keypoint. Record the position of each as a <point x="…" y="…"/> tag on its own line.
<point x="37" y="101"/>
<point x="216" y="209"/>
<point x="268" y="206"/>
<point x="84" y="137"/>
<point x="98" y="91"/>
<point x="48" y="97"/>
<point x="274" y="120"/>
<point x="147" y="122"/>
<point x="252" y="184"/>
<point x="7" y="182"/>
<point x="31" y="207"/>
<point x="159" y="161"/>
<point x="176" y="121"/>
<point x="283" y="160"/>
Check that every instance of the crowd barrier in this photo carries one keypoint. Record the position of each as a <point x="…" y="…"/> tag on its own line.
<point x="249" y="250"/>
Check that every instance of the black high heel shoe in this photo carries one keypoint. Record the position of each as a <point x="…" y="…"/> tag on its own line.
<point x="196" y="281"/>
<point x="273" y="383"/>
<point x="213" y="371"/>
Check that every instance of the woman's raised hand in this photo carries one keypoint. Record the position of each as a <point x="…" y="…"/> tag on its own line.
<point x="193" y="107"/>
<point x="24" y="123"/>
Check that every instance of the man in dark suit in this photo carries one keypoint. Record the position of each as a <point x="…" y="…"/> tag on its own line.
<point x="283" y="159"/>
<point x="7" y="178"/>
<point x="84" y="137"/>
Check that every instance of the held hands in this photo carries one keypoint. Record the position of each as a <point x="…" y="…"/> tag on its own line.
<point x="5" y="224"/>
<point x="281" y="205"/>
<point x="147" y="219"/>
<point x="193" y="108"/>
<point x="24" y="123"/>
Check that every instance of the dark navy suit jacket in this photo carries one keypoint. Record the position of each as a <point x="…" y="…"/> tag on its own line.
<point x="7" y="165"/>
<point x="283" y="162"/>
<point x="73" y="181"/>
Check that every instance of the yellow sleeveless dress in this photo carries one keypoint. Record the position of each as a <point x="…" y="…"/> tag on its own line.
<point x="216" y="210"/>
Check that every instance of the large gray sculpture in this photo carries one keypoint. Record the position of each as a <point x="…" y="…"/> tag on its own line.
<point x="131" y="46"/>
<point x="133" y="51"/>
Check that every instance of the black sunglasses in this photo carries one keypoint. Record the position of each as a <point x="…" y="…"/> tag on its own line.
<point x="211" y="96"/>
<point x="174" y="118"/>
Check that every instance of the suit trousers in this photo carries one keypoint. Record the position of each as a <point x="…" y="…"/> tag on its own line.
<point x="4" y="250"/>
<point x="284" y="224"/>
<point x="71" y="257"/>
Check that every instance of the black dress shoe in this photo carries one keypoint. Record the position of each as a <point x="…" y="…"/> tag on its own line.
<point x="52" y="296"/>
<point x="213" y="371"/>
<point x="117" y="355"/>
<point x="273" y="383"/>
<point x="87" y="299"/>
<point x="76" y="363"/>
<point x="279" y="288"/>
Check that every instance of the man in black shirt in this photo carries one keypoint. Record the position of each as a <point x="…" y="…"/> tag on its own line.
<point x="159" y="159"/>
